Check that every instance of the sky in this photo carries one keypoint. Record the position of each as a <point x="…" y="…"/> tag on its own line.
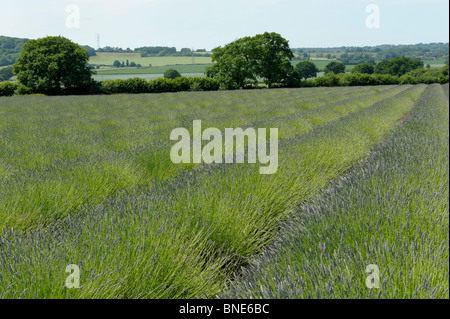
<point x="206" y="24"/>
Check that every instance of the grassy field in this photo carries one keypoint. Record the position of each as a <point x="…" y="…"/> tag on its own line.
<point x="105" y="58"/>
<point x="88" y="181"/>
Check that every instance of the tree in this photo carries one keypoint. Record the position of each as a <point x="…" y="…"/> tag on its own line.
<point x="117" y="64"/>
<point x="90" y="50"/>
<point x="7" y="88"/>
<point x="242" y="62"/>
<point x="365" y="68"/>
<point x="54" y="65"/>
<point x="128" y="64"/>
<point x="6" y="73"/>
<point x="398" y="66"/>
<point x="335" y="67"/>
<point x="233" y="67"/>
<point x="306" y="69"/>
<point x="171" y="74"/>
<point x="428" y="66"/>
<point x="382" y="67"/>
<point x="132" y="64"/>
<point x="271" y="58"/>
<point x="444" y="70"/>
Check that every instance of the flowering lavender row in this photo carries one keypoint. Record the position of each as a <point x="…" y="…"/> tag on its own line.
<point x="390" y="211"/>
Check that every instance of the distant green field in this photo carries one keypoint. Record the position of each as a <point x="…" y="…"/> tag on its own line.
<point x="435" y="64"/>
<point x="336" y="54"/>
<point x="321" y="64"/>
<point x="184" y="64"/>
<point x="104" y="58"/>
<point x="145" y="76"/>
<point x="164" y="63"/>
<point x="182" y="68"/>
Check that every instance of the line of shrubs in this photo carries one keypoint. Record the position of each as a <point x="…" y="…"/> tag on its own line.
<point x="417" y="76"/>
<point x="161" y="85"/>
<point x="132" y="85"/>
<point x="11" y="88"/>
<point x="361" y="79"/>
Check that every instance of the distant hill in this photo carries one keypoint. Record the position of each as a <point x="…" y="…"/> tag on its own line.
<point x="424" y="51"/>
<point x="10" y="49"/>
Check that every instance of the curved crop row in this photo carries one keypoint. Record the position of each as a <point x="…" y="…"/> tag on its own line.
<point x="392" y="212"/>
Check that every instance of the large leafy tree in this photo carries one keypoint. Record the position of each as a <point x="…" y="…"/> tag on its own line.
<point x="233" y="67"/>
<point x="242" y="62"/>
<point x="272" y="60"/>
<point x="54" y="65"/>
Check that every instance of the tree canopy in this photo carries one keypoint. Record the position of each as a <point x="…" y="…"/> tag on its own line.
<point x="335" y="67"/>
<point x="6" y="73"/>
<point x="398" y="66"/>
<point x="365" y="68"/>
<point x="242" y="62"/>
<point x="90" y="50"/>
<point x="171" y="74"/>
<point x="306" y="69"/>
<point x="54" y="65"/>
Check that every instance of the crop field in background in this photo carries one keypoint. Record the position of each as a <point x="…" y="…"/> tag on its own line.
<point x="148" y="76"/>
<point x="182" y="68"/>
<point x="337" y="54"/>
<point x="161" y="64"/>
<point x="183" y="64"/>
<point x="106" y="58"/>
<point x="185" y="69"/>
<point x="434" y="64"/>
<point x="88" y="180"/>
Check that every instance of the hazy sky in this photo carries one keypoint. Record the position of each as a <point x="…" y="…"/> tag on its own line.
<point x="206" y="24"/>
